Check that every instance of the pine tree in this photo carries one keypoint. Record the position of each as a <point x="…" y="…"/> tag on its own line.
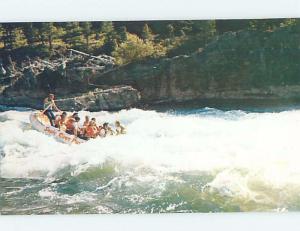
<point x="107" y="27"/>
<point x="111" y="37"/>
<point x="265" y="24"/>
<point x="47" y="32"/>
<point x="30" y="33"/>
<point x="204" y="30"/>
<point x="147" y="34"/>
<point x="122" y="34"/>
<point x="96" y="28"/>
<point x="86" y="31"/>
<point x="72" y="36"/>
<point x="9" y="35"/>
<point x="170" y="31"/>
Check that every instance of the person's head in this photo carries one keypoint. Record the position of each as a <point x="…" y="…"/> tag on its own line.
<point x="51" y="96"/>
<point x="117" y="123"/>
<point x="93" y="119"/>
<point x="63" y="115"/>
<point x="105" y="125"/>
<point x="75" y="114"/>
<point x="77" y="119"/>
<point x="87" y="118"/>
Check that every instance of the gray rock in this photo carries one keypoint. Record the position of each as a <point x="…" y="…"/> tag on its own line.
<point x="109" y="99"/>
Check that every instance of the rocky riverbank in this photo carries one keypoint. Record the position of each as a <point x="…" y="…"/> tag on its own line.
<point x="110" y="99"/>
<point x="239" y="65"/>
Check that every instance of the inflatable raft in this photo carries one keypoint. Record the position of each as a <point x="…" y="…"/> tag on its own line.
<point x="41" y="123"/>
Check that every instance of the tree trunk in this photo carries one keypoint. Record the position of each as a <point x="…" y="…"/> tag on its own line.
<point x="50" y="42"/>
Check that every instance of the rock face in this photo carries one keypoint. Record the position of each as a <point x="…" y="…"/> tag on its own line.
<point x="110" y="99"/>
<point x="240" y="65"/>
<point x="243" y="65"/>
<point x="69" y="80"/>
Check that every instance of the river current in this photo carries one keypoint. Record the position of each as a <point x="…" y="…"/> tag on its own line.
<point x="199" y="159"/>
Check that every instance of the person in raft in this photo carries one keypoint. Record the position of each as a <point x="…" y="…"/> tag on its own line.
<point x="72" y="126"/>
<point x="60" y="121"/>
<point x="49" y="106"/>
<point x="119" y="128"/>
<point x="92" y="130"/>
<point x="106" y="130"/>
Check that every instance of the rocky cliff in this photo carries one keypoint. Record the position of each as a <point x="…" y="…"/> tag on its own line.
<point x="246" y="64"/>
<point x="95" y="100"/>
<point x="240" y="65"/>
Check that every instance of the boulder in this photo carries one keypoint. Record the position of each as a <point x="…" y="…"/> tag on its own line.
<point x="109" y="99"/>
<point x="115" y="98"/>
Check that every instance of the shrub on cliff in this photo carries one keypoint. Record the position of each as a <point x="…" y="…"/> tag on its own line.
<point x="135" y="48"/>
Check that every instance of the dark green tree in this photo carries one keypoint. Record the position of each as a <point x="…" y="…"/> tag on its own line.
<point x="223" y="26"/>
<point x="47" y="32"/>
<point x="111" y="37"/>
<point x="170" y="31"/>
<point x="86" y="31"/>
<point x="96" y="28"/>
<point x="107" y="27"/>
<point x="265" y="24"/>
<point x="122" y="34"/>
<point x="147" y="34"/>
<point x="30" y="33"/>
<point x="9" y="35"/>
<point x="73" y="34"/>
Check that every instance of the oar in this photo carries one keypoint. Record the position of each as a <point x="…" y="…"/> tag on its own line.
<point x="49" y="106"/>
<point x="45" y="109"/>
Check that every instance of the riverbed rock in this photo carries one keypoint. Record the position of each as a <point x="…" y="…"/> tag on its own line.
<point x="109" y="99"/>
<point x="116" y="98"/>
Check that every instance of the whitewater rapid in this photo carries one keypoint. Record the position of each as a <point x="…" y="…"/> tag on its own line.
<point x="244" y="157"/>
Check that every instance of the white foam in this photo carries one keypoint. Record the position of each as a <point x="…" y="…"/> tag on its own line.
<point x="260" y="147"/>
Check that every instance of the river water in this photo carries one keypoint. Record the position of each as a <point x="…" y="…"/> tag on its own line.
<point x="188" y="159"/>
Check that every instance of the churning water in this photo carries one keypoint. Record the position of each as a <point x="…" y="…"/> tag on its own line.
<point x="190" y="160"/>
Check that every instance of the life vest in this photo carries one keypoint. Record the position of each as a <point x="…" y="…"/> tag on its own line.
<point x="102" y="132"/>
<point x="61" y="122"/>
<point x="57" y="120"/>
<point x="91" y="131"/>
<point x="70" y="124"/>
<point x="86" y="124"/>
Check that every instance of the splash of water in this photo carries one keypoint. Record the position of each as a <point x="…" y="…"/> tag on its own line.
<point x="244" y="158"/>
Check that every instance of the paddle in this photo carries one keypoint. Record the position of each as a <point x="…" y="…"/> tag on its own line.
<point x="42" y="112"/>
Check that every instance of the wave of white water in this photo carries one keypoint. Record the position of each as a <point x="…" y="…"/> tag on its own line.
<point x="245" y="152"/>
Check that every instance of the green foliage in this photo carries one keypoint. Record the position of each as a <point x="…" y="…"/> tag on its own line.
<point x="146" y="38"/>
<point x="170" y="31"/>
<point x="147" y="34"/>
<point x="223" y="26"/>
<point x="107" y="27"/>
<point x="47" y="32"/>
<point x="30" y="33"/>
<point x="86" y="31"/>
<point x="199" y="34"/>
<point x="135" y="48"/>
<point x="122" y="34"/>
<point x="111" y="37"/>
<point x="270" y="24"/>
<point x="73" y="36"/>
<point x="9" y="37"/>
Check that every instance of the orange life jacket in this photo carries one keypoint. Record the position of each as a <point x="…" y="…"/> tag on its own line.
<point x="86" y="123"/>
<point x="70" y="124"/>
<point x="62" y="122"/>
<point x="91" y="131"/>
<point x="57" y="119"/>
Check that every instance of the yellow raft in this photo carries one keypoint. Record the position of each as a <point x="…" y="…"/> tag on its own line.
<point x="41" y="123"/>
